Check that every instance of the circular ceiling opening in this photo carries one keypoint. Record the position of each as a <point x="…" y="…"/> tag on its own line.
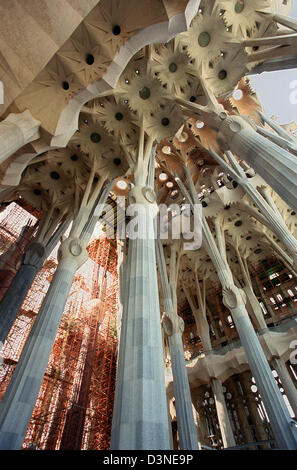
<point x="116" y="30"/>
<point x="95" y="137"/>
<point x="204" y="39"/>
<point x="199" y="124"/>
<point x="74" y="158"/>
<point x="54" y="175"/>
<point x="117" y="161"/>
<point x="222" y="74"/>
<point x="172" y="67"/>
<point x="37" y="192"/>
<point x="145" y="93"/>
<point x="65" y="85"/>
<point x="119" y="116"/>
<point x="122" y="185"/>
<point x="165" y="121"/>
<point x="90" y="59"/>
<point x="237" y="95"/>
<point x="166" y="149"/>
<point x="239" y="6"/>
<point x="163" y="177"/>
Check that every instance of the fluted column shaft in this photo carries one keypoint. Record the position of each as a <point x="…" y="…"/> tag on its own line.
<point x="276" y="166"/>
<point x="16" y="131"/>
<point x="286" y="381"/>
<point x="140" y="419"/>
<point x="222" y="412"/>
<point x="183" y="402"/>
<point x="173" y="325"/>
<point x="202" y="431"/>
<point x="15" y="295"/>
<point x="17" y="405"/>
<point x="272" y="398"/>
<point x="233" y="299"/>
<point x="237" y="399"/>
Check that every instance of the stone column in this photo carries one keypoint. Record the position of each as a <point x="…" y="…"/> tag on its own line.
<point x="202" y="431"/>
<point x="234" y="300"/>
<point x="184" y="412"/>
<point x="222" y="412"/>
<point x="16" y="131"/>
<point x="11" y="259"/>
<point x="15" y="295"/>
<point x="173" y="325"/>
<point x="199" y="316"/>
<point x="245" y="381"/>
<point x="267" y="207"/>
<point x="32" y="262"/>
<point x="286" y="381"/>
<point x="271" y="396"/>
<point x="140" y="418"/>
<point x="277" y="166"/>
<point x="237" y="399"/>
<point x="19" y="400"/>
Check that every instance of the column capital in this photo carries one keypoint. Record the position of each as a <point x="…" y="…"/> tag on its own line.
<point x="73" y="248"/>
<point x="142" y="195"/>
<point x="172" y="323"/>
<point x="34" y="255"/>
<point x="233" y="296"/>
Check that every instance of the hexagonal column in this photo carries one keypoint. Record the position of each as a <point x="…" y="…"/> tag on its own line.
<point x="245" y="382"/>
<point x="173" y="325"/>
<point x="222" y="412"/>
<point x="140" y="419"/>
<point x="16" y="131"/>
<point x="237" y="399"/>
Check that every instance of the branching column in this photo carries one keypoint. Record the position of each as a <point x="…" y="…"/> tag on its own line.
<point x="18" y="402"/>
<point x="16" y="131"/>
<point x="233" y="298"/>
<point x="32" y="262"/>
<point x="140" y="419"/>
<point x="222" y="412"/>
<point x="277" y="166"/>
<point x="199" y="313"/>
<point x="173" y="325"/>
<point x="237" y="399"/>
<point x="268" y="210"/>
<point x="246" y="382"/>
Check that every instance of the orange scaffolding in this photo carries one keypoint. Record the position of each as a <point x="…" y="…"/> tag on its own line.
<point x="74" y="406"/>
